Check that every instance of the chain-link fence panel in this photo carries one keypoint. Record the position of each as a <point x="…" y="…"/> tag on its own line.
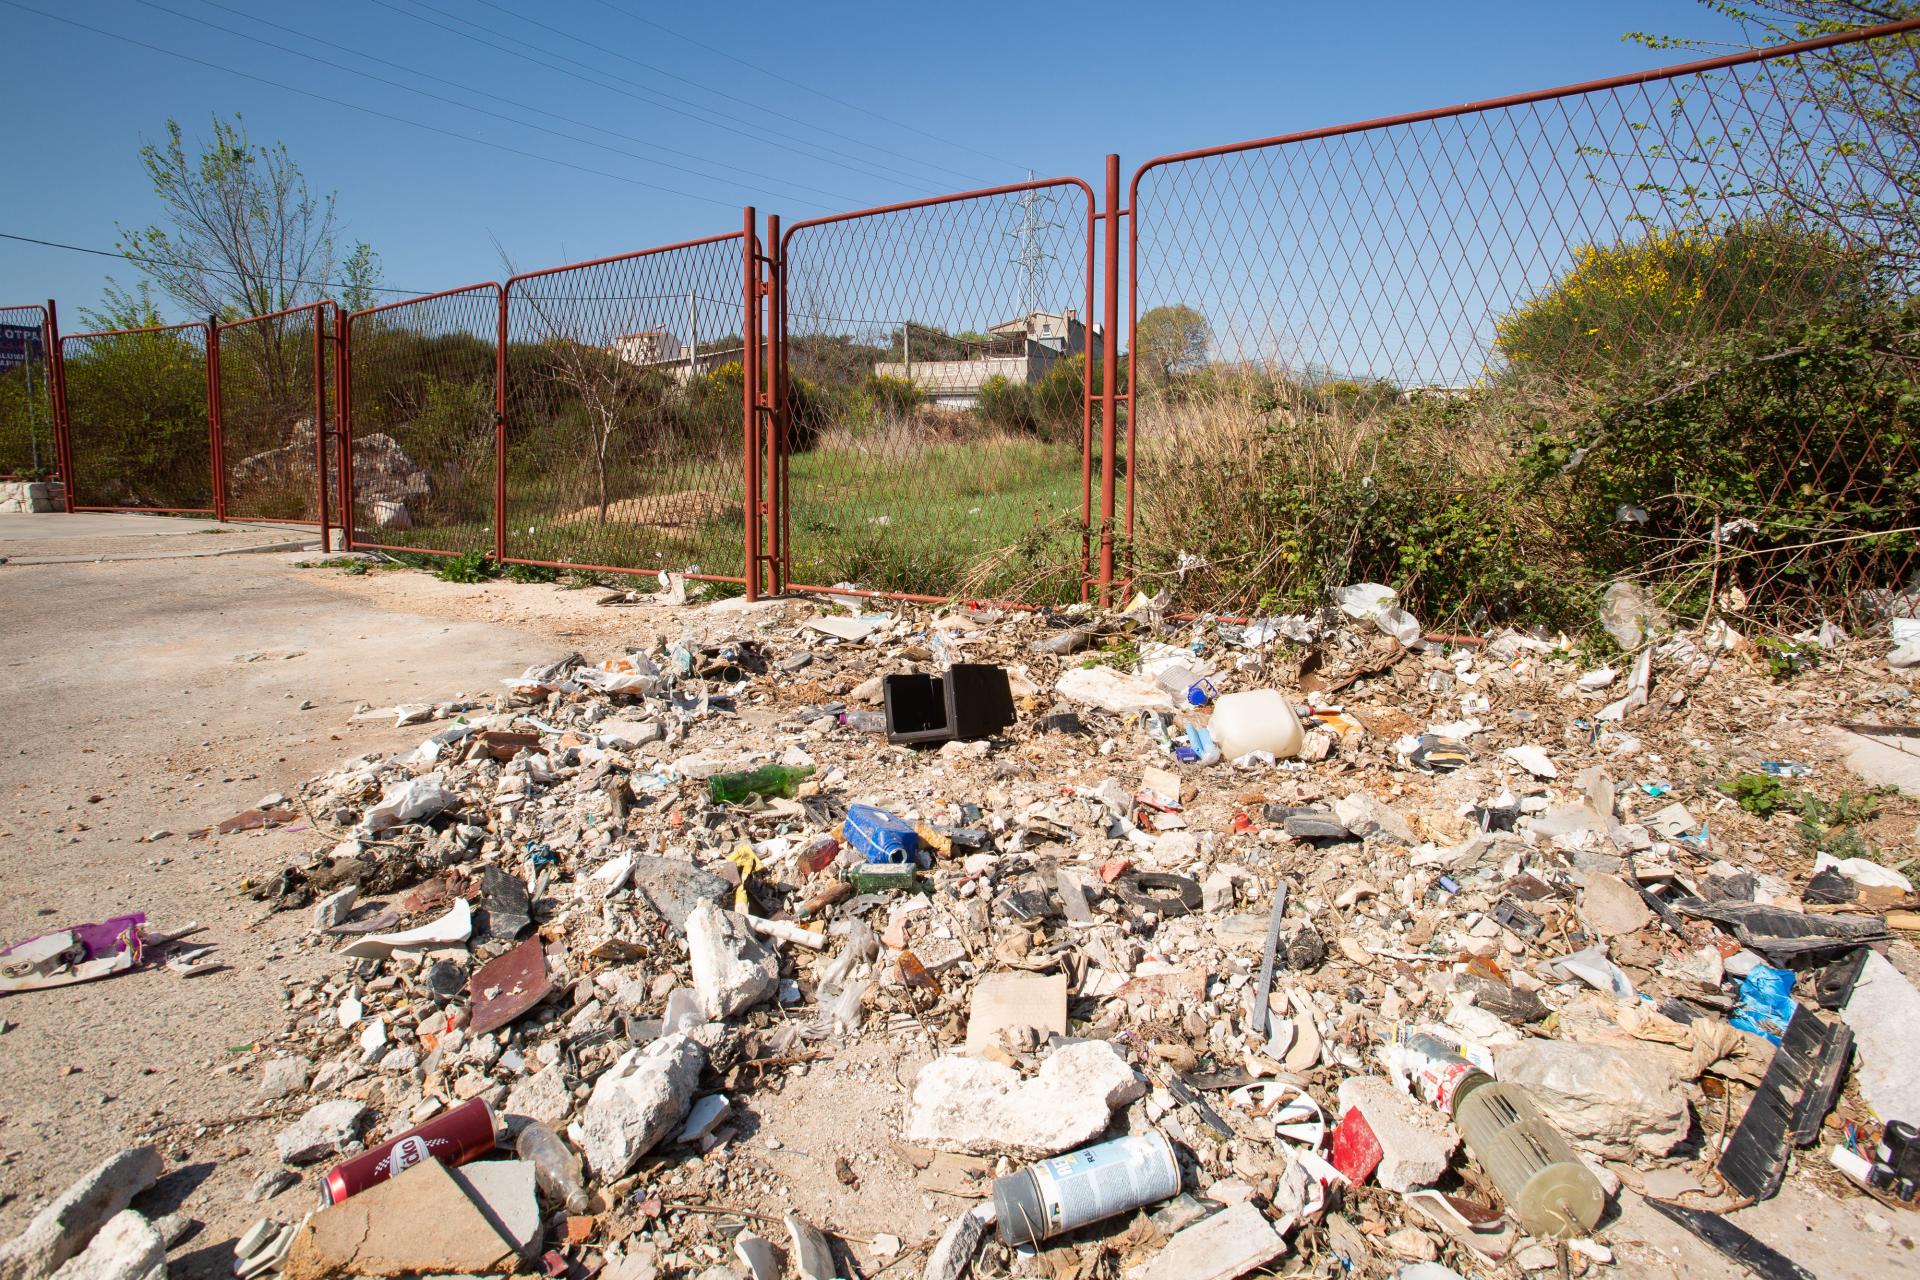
<point x="1500" y="354"/>
<point x="422" y="386"/>
<point x="27" y="441"/>
<point x="137" y="420"/>
<point x="937" y="362"/>
<point x="624" y="412"/>
<point x="273" y="414"/>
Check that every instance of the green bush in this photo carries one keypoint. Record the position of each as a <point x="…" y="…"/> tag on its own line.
<point x="1005" y="405"/>
<point x="897" y="397"/>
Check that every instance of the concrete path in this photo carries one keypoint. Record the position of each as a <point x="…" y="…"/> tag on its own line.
<point x="89" y="536"/>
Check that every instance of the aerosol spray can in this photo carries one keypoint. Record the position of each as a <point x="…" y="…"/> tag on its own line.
<point x="1055" y="1196"/>
<point x="462" y="1134"/>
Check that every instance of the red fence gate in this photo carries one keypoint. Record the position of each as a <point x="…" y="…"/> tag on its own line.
<point x="935" y="360"/>
<point x="273" y="415"/>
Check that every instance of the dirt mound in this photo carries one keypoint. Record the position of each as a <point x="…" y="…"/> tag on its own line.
<point x="686" y="507"/>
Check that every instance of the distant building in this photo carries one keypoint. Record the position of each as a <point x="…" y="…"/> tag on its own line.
<point x="660" y="349"/>
<point x="1021" y="351"/>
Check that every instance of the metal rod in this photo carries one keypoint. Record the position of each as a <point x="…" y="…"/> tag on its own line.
<point x="216" y="451"/>
<point x="1109" y="357"/>
<point x="343" y="408"/>
<point x="775" y="422"/>
<point x="320" y="422"/>
<point x="57" y="387"/>
<point x="500" y="431"/>
<point x="750" y="386"/>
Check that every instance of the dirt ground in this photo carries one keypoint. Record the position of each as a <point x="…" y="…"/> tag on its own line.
<point x="151" y="695"/>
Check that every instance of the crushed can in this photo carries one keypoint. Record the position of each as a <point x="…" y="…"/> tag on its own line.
<point x="462" y="1134"/>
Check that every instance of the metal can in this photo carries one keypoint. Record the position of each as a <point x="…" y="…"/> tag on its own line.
<point x="462" y="1134"/>
<point x="1055" y="1196"/>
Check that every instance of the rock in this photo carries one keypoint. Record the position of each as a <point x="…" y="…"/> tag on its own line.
<point x="704" y="1117"/>
<point x="126" y="1248"/>
<point x="1416" y="1142"/>
<point x="283" y="1076"/>
<point x="1612" y="907"/>
<point x="954" y="1253"/>
<point x="1884" y="1013"/>
<point x="174" y="1228"/>
<point x="812" y="1255"/>
<point x="270" y="1184"/>
<point x="504" y="1190"/>
<point x="1229" y="1244"/>
<point x="1216" y="893"/>
<point x="674" y="888"/>
<point x="542" y="1096"/>
<point x="323" y="1131"/>
<point x="732" y="970"/>
<point x="420" y="1221"/>
<point x="63" y="1228"/>
<point x="981" y="1107"/>
<point x="1369" y="818"/>
<point x="1315" y="825"/>
<point x="335" y="907"/>
<point x="1617" y="1101"/>
<point x="637" y="1102"/>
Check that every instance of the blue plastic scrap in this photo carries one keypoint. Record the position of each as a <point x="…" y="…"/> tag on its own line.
<point x="879" y="836"/>
<point x="1766" y="1002"/>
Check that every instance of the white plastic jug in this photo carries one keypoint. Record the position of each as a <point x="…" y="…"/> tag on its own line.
<point x="1257" y="720"/>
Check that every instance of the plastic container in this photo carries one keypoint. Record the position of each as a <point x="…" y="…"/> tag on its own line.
<point x="1257" y="720"/>
<point x="1056" y="1196"/>
<point x="556" y="1169"/>
<point x="879" y="836"/>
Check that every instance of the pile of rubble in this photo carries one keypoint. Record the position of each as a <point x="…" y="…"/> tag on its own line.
<point x="1243" y="918"/>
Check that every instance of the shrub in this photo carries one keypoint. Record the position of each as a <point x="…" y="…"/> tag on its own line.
<point x="1005" y="405"/>
<point x="897" y="397"/>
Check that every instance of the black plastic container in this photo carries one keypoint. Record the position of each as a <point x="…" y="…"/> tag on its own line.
<point x="973" y="700"/>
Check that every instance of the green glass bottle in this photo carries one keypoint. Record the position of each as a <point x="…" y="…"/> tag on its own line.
<point x="768" y="780"/>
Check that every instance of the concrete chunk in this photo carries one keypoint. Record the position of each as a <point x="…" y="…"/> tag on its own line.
<point x="1615" y="1101"/>
<point x="420" y="1222"/>
<point x="1370" y="818"/>
<point x="323" y="1131"/>
<point x="1416" y="1142"/>
<point x="1229" y="1244"/>
<point x="732" y="970"/>
<point x="127" y="1248"/>
<point x="284" y="1076"/>
<point x="637" y="1102"/>
<point x="504" y="1191"/>
<point x="542" y="1096"/>
<point x="1884" y="1013"/>
<point x="63" y="1228"/>
<point x="980" y="1107"/>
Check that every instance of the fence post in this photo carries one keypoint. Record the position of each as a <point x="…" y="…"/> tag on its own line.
<point x="343" y="435"/>
<point x="750" y="394"/>
<point x="776" y="425"/>
<point x="320" y="421"/>
<point x="57" y="396"/>
<point x="1109" y="357"/>
<point x="216" y="447"/>
<point x="500" y="436"/>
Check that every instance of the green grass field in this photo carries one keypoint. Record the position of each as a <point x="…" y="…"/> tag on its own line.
<point x="999" y="516"/>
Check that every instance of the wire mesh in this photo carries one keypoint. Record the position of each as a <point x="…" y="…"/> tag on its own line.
<point x="1478" y="353"/>
<point x="623" y="412"/>
<point x="937" y="359"/>
<point x="137" y="419"/>
<point x="421" y="384"/>
<point x="270" y="367"/>
<point x="27" y="449"/>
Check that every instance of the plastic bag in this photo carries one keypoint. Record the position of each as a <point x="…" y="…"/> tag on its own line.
<point x="1766" y="1002"/>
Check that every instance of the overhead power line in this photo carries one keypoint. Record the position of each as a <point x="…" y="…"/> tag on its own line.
<point x="194" y="266"/>
<point x="435" y="97"/>
<point x="722" y="93"/>
<point x="818" y="93"/>
<point x="517" y="48"/>
<point x="365" y="110"/>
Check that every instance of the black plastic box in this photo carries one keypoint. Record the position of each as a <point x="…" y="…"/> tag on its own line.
<point x="973" y="700"/>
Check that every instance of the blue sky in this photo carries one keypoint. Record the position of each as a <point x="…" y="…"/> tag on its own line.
<point x="852" y="105"/>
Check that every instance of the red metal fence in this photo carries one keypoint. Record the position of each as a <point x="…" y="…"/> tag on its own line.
<point x="935" y="359"/>
<point x="29" y="444"/>
<point x="274" y="423"/>
<point x="139" y="405"/>
<point x="921" y="398"/>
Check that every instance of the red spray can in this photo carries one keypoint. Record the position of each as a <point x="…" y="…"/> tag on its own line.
<point x="462" y="1134"/>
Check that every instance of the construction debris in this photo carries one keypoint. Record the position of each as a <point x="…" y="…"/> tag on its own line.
<point x="662" y="912"/>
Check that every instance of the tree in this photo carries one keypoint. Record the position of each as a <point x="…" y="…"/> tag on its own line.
<point x="1835" y="145"/>
<point x="1171" y="340"/>
<point x="247" y="234"/>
